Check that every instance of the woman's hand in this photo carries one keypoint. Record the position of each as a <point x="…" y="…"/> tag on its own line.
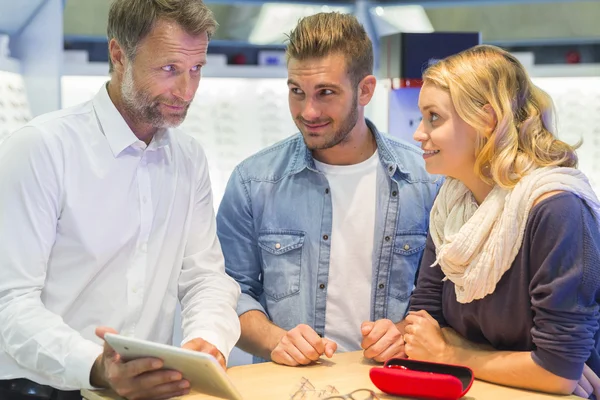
<point x="588" y="384"/>
<point x="424" y="339"/>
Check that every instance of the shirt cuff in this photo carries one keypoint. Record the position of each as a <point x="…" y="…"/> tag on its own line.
<point x="81" y="359"/>
<point x="248" y="303"/>
<point x="557" y="365"/>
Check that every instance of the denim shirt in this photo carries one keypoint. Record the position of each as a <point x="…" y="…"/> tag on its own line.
<point x="275" y="220"/>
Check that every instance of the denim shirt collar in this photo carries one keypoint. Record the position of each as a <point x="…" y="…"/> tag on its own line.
<point x="304" y="158"/>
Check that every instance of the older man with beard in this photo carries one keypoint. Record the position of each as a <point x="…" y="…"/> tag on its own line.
<point x="106" y="220"/>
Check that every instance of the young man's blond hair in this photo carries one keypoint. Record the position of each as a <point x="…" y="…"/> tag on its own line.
<point x="323" y="34"/>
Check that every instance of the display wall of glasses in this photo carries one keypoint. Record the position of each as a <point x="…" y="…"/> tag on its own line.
<point x="577" y="102"/>
<point x="236" y="117"/>
<point x="14" y="107"/>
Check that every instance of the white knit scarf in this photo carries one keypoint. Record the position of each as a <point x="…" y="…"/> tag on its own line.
<point x="476" y="245"/>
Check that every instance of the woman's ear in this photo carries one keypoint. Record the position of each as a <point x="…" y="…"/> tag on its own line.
<point x="492" y="119"/>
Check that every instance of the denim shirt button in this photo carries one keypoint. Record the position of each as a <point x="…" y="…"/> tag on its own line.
<point x="406" y="247"/>
<point x="322" y="286"/>
<point x="325" y="237"/>
<point x="327" y="191"/>
<point x="387" y="238"/>
<point x="277" y="246"/>
<point x="381" y="286"/>
<point x="394" y="193"/>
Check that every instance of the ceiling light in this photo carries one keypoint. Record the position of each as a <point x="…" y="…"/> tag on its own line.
<point x="275" y="20"/>
<point x="406" y="18"/>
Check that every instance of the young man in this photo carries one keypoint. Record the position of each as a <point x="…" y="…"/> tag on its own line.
<point x="324" y="231"/>
<point x="107" y="219"/>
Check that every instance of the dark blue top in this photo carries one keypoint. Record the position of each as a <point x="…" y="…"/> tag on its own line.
<point x="546" y="303"/>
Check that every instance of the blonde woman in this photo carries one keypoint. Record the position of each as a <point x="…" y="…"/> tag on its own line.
<point x="510" y="278"/>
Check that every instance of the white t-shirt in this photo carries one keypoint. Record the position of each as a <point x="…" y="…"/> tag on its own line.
<point x="353" y="197"/>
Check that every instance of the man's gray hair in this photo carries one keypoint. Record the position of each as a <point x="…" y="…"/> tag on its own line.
<point x="130" y="21"/>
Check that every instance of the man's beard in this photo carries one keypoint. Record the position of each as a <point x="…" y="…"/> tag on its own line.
<point x="142" y="108"/>
<point x="338" y="136"/>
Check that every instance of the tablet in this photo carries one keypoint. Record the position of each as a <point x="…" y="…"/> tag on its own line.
<point x="202" y="370"/>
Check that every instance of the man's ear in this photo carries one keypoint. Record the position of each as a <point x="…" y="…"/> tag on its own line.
<point x="117" y="56"/>
<point x="366" y="89"/>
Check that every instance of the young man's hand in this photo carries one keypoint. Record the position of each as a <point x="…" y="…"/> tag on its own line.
<point x="301" y="346"/>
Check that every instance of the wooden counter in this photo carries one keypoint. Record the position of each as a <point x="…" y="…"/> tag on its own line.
<point x="345" y="372"/>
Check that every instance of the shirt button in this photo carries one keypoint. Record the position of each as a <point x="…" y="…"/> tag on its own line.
<point x="325" y="237"/>
<point x="391" y="168"/>
<point x="322" y="286"/>
<point x="387" y="238"/>
<point x="277" y="245"/>
<point x="394" y="193"/>
<point x="381" y="286"/>
<point x="406" y="247"/>
<point x="327" y="191"/>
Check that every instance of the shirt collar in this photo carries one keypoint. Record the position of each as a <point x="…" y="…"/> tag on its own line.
<point x="115" y="129"/>
<point x="386" y="155"/>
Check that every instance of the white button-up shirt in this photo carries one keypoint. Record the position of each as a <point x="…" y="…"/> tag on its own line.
<point x="96" y="228"/>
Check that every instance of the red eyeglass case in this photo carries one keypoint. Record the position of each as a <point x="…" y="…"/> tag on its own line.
<point x="420" y="379"/>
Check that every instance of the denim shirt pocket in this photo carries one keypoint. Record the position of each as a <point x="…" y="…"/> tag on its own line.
<point x="408" y="249"/>
<point x="281" y="252"/>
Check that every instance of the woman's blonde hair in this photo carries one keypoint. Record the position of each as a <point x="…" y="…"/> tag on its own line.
<point x="486" y="78"/>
